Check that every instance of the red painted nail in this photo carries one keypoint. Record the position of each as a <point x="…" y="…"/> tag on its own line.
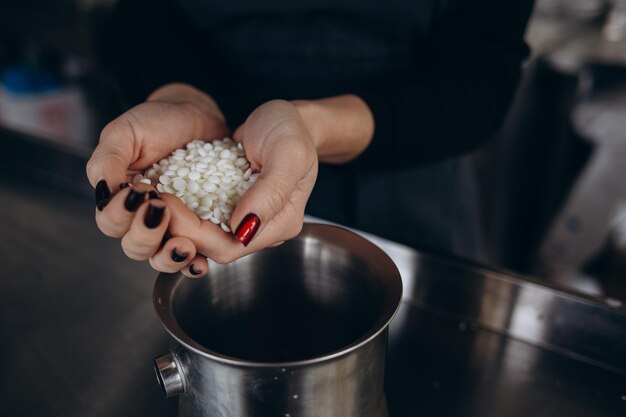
<point x="248" y="228"/>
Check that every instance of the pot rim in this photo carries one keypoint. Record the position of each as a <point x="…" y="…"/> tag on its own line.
<point x="167" y="284"/>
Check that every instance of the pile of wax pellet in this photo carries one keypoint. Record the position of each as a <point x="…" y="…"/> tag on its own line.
<point x="209" y="177"/>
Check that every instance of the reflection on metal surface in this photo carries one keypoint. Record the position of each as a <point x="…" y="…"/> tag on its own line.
<point x="588" y="328"/>
<point x="169" y="375"/>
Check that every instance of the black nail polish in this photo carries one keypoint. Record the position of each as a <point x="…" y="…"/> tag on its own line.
<point x="154" y="215"/>
<point x="134" y="200"/>
<point x="124" y="185"/>
<point x="103" y="194"/>
<point x="178" y="257"/>
<point x="153" y="195"/>
<point x="193" y="271"/>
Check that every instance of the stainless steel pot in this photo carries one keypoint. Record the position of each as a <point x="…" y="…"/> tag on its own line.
<point x="294" y="331"/>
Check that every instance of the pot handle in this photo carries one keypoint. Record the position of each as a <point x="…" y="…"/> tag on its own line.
<point x="169" y="375"/>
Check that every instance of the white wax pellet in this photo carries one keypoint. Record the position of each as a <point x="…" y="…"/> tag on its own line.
<point x="214" y="220"/>
<point x="224" y="208"/>
<point x="214" y="179"/>
<point x="217" y="213"/>
<point x="193" y="187"/>
<point x="168" y="189"/>
<point x="207" y="201"/>
<point x="239" y="162"/>
<point x="179" y="184"/>
<point x="209" y="187"/>
<point x="170" y="173"/>
<point x="182" y="172"/>
<point x="165" y="180"/>
<point x="164" y="163"/>
<point x="194" y="176"/>
<point x="225" y="227"/>
<point x="159" y="188"/>
<point x="225" y="154"/>
<point x="223" y="196"/>
<point x="247" y="174"/>
<point x="227" y="185"/>
<point x="145" y="181"/>
<point x="204" y="215"/>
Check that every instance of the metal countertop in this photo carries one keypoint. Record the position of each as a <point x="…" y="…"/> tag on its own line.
<point x="79" y="333"/>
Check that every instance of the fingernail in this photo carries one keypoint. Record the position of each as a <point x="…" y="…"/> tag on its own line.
<point x="124" y="185"/>
<point x="154" y="215"/>
<point x="247" y="228"/>
<point x="153" y="195"/>
<point x="178" y="257"/>
<point x="193" y="271"/>
<point x="134" y="200"/>
<point x="103" y="194"/>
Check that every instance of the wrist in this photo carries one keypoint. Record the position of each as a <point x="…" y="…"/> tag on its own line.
<point x="312" y="114"/>
<point x="341" y="127"/>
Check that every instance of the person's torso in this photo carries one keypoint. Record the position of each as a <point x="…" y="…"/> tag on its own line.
<point x="308" y="49"/>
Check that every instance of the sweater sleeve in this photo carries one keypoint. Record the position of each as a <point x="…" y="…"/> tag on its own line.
<point x="461" y="93"/>
<point x="152" y="43"/>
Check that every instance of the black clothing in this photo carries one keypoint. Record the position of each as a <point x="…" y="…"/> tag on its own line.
<point x="438" y="76"/>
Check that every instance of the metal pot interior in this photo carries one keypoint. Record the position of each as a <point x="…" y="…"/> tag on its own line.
<point x="302" y="300"/>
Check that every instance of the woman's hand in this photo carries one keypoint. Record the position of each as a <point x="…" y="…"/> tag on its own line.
<point x="278" y="144"/>
<point x="172" y="116"/>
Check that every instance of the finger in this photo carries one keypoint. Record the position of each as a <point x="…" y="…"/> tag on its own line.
<point x="146" y="231"/>
<point x="267" y="197"/>
<point x="175" y="255"/>
<point x="197" y="268"/>
<point x="210" y="240"/>
<point x="115" y="219"/>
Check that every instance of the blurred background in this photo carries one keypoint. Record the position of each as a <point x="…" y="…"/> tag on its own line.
<point x="553" y="180"/>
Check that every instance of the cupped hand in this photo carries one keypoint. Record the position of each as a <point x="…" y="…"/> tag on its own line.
<point x="280" y="147"/>
<point x="172" y="116"/>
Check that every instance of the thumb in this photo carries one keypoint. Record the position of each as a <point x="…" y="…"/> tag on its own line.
<point x="113" y="155"/>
